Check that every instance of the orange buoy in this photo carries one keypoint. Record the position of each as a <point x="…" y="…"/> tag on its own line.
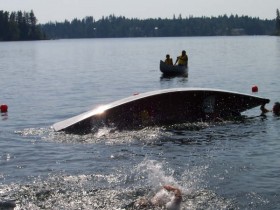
<point x="255" y="89"/>
<point x="4" y="108"/>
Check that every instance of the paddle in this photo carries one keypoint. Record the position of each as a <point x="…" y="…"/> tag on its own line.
<point x="176" y="61"/>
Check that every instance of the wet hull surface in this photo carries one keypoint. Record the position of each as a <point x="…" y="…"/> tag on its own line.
<point x="163" y="107"/>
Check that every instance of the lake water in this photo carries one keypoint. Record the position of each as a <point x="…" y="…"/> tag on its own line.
<point x="229" y="165"/>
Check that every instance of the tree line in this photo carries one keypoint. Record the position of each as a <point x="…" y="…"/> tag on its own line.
<point x="20" y="25"/>
<point x="17" y="26"/>
<point x="112" y="26"/>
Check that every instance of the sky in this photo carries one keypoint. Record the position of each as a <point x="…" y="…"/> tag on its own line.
<point x="60" y="10"/>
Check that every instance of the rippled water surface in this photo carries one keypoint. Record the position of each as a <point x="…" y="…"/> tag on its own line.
<point x="223" y="165"/>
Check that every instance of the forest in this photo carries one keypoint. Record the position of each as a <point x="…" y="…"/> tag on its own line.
<point x="112" y="26"/>
<point x="20" y="25"/>
<point x="17" y="26"/>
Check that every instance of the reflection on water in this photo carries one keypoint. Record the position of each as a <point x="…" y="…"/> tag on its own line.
<point x="183" y="77"/>
<point x="170" y="81"/>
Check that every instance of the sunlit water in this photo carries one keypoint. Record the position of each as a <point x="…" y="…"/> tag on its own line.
<point x="228" y="165"/>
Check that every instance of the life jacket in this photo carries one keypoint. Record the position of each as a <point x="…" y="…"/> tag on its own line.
<point x="169" y="61"/>
<point x="183" y="60"/>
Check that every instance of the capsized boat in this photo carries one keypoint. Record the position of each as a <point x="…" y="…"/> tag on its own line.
<point x="162" y="107"/>
<point x="171" y="70"/>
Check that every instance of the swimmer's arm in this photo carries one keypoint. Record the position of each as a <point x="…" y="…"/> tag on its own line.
<point x="176" y="191"/>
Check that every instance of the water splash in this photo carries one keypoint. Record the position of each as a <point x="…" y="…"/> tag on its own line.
<point x="111" y="136"/>
<point x="155" y="173"/>
<point x="119" y="190"/>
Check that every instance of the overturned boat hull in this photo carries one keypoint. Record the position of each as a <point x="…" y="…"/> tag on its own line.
<point x="162" y="107"/>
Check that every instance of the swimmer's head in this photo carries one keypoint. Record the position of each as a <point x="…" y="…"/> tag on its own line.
<point x="276" y="108"/>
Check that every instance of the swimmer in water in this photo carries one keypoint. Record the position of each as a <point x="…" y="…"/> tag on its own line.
<point x="264" y="110"/>
<point x="276" y="109"/>
<point x="169" y="197"/>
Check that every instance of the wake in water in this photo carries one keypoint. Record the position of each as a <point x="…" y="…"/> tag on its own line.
<point x="148" y="135"/>
<point x="184" y="133"/>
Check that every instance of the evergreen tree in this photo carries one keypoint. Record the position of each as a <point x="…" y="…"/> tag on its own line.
<point x="277" y="22"/>
<point x="19" y="25"/>
<point x="13" y="31"/>
<point x="4" y="26"/>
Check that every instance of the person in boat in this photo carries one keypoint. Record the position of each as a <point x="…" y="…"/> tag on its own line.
<point x="169" y="197"/>
<point x="182" y="59"/>
<point x="168" y="60"/>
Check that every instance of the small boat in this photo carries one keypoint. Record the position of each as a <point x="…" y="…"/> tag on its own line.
<point x="162" y="107"/>
<point x="173" y="70"/>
